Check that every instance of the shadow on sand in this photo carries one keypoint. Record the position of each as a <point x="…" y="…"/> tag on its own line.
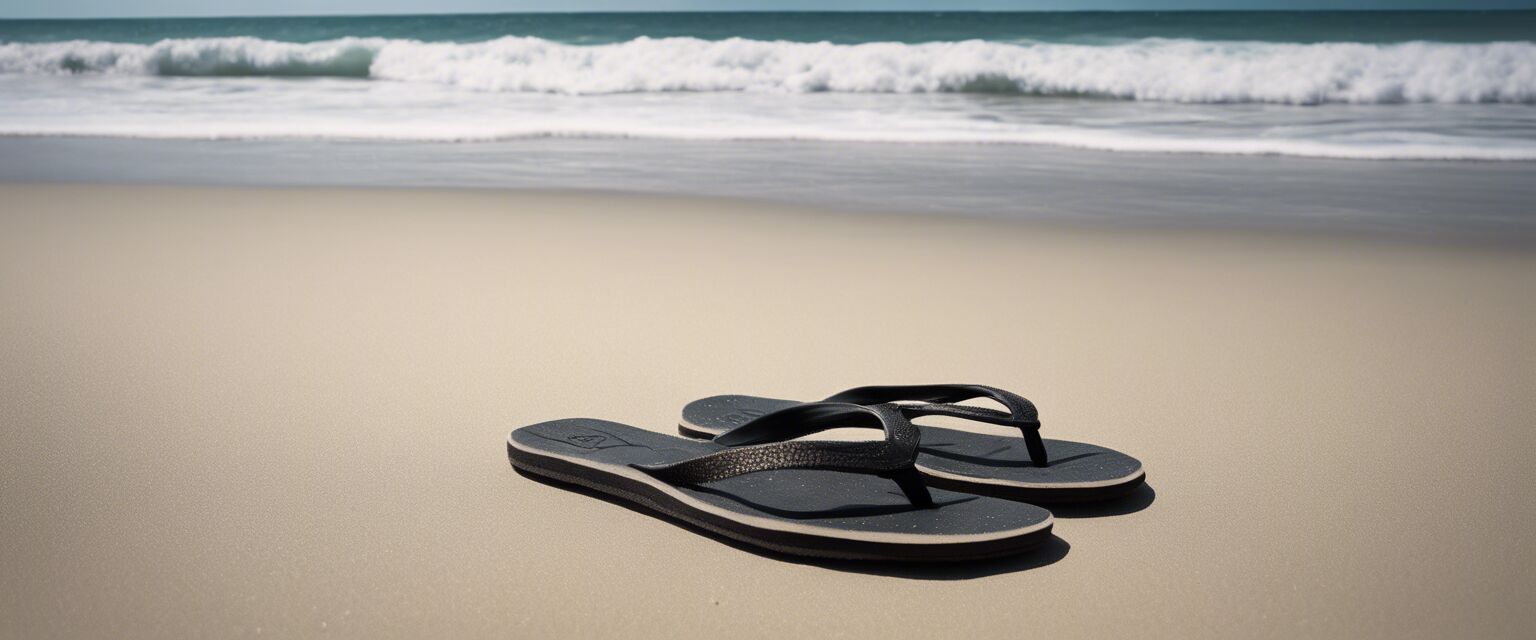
<point x="1048" y="553"/>
<point x="1139" y="498"/>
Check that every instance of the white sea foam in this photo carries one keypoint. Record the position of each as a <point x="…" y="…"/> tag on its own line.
<point x="1416" y="101"/>
<point x="1149" y="70"/>
<point x="1079" y="138"/>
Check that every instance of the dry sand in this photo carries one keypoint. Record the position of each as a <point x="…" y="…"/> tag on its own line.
<point x="238" y="412"/>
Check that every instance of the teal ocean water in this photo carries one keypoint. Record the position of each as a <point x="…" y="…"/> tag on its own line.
<point x="1414" y="120"/>
<point x="1362" y="86"/>
<point x="840" y="28"/>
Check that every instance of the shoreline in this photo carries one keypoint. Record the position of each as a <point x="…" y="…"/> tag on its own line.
<point x="1477" y="202"/>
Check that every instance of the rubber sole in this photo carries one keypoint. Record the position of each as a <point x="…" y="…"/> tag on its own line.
<point x="652" y="499"/>
<point x="1032" y="495"/>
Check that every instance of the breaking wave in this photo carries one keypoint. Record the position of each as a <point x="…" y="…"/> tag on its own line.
<point x="1187" y="71"/>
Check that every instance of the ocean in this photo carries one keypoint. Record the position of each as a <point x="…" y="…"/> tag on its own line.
<point x="937" y="92"/>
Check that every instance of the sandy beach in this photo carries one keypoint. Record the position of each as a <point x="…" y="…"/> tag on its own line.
<point x="282" y="412"/>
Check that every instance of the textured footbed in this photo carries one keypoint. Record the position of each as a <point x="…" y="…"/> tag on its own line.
<point x="987" y="464"/>
<point x="804" y="512"/>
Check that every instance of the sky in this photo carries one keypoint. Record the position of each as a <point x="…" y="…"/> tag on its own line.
<point x="152" y="8"/>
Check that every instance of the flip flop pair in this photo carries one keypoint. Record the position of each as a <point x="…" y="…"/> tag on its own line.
<point x="756" y="483"/>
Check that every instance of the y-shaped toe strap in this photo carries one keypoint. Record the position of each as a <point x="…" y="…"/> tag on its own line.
<point x="760" y="445"/>
<point x="939" y="399"/>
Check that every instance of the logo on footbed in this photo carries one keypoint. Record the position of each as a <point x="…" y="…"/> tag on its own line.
<point x="589" y="439"/>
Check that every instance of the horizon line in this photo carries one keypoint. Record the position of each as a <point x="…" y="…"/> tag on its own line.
<point x="808" y="11"/>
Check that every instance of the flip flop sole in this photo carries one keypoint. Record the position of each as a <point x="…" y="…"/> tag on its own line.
<point x="977" y="463"/>
<point x="811" y="513"/>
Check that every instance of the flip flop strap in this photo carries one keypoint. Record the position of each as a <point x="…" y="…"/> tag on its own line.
<point x="939" y="399"/>
<point x="760" y="446"/>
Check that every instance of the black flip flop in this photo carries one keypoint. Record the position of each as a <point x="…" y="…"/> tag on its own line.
<point x="1030" y="468"/>
<point x="830" y="499"/>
